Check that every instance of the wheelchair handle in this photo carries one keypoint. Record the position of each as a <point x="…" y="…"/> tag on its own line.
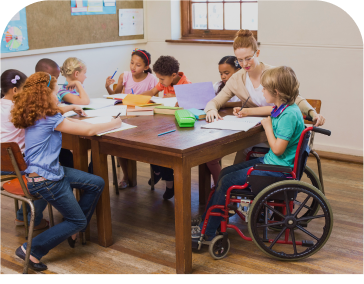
<point x="321" y="130"/>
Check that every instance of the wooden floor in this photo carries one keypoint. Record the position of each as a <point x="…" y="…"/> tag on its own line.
<point x="143" y="230"/>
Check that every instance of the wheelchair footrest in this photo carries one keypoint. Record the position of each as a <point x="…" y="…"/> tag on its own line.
<point x="306" y="243"/>
<point x="195" y="243"/>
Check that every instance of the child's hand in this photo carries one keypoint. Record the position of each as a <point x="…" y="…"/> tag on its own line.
<point x="73" y="85"/>
<point x="211" y="115"/>
<point x="176" y="105"/>
<point x="267" y="122"/>
<point x="79" y="111"/>
<point x="109" y="82"/>
<point x="117" y="122"/>
<point x="240" y="113"/>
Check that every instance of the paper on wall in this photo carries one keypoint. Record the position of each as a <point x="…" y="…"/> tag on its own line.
<point x="131" y="22"/>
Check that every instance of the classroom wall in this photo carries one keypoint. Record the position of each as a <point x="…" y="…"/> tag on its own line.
<point x="311" y="37"/>
<point x="317" y="39"/>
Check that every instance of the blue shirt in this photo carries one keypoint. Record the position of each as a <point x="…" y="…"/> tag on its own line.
<point x="42" y="147"/>
<point x="288" y="125"/>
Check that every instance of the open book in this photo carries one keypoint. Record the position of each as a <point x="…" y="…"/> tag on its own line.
<point x="232" y="122"/>
<point x="94" y="104"/>
<point x="104" y="119"/>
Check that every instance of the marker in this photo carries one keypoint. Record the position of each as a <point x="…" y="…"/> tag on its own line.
<point x="132" y="91"/>
<point x="166" y="132"/>
<point x="117" y="115"/>
<point x="114" y="73"/>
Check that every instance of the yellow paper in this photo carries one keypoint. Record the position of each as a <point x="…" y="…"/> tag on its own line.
<point x="135" y="100"/>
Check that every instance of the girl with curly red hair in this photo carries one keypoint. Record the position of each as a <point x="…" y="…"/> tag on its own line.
<point x="35" y="110"/>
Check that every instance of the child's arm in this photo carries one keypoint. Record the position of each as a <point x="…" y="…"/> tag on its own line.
<point x="76" y="109"/>
<point x="277" y="145"/>
<point x="87" y="129"/>
<point x="151" y="92"/>
<point x="231" y="104"/>
<point x="257" y="111"/>
<point x="82" y="99"/>
<point x="119" y="88"/>
<point x="108" y="83"/>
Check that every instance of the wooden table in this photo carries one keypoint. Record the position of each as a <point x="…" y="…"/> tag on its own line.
<point x="180" y="150"/>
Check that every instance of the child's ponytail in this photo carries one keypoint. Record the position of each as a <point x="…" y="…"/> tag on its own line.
<point x="10" y="79"/>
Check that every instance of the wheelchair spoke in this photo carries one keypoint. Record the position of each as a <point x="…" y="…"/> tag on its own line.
<point x="288" y="211"/>
<point x="293" y="241"/>
<point x="301" y="206"/>
<point x="270" y="224"/>
<point x="310" y="218"/>
<point x="307" y="232"/>
<point x="277" y="237"/>
<point x="305" y="206"/>
<point x="275" y="211"/>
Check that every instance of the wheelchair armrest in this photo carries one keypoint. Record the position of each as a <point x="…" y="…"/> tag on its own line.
<point x="262" y="150"/>
<point x="272" y="168"/>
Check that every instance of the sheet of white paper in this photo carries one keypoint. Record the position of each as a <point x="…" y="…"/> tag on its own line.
<point x="69" y="113"/>
<point x="107" y="111"/>
<point x="98" y="103"/>
<point x="104" y="119"/>
<point x="117" y="96"/>
<point x="165" y="101"/>
<point x="231" y="122"/>
<point x="131" y="22"/>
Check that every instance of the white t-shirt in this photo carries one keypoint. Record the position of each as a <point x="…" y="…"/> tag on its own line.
<point x="8" y="131"/>
<point x="216" y="88"/>
<point x="256" y="94"/>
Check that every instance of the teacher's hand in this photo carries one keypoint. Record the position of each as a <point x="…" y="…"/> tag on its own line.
<point x="211" y="115"/>
<point x="240" y="113"/>
<point x="318" y="119"/>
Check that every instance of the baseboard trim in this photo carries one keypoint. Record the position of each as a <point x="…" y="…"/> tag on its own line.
<point x="340" y="157"/>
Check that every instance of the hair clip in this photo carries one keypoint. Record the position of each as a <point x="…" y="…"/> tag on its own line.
<point x="136" y="50"/>
<point x="15" y="79"/>
<point x="237" y="63"/>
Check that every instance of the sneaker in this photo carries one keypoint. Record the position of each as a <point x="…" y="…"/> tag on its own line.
<point x="195" y="232"/>
<point x="169" y="193"/>
<point x="123" y="184"/>
<point x="196" y="221"/>
<point x="156" y="178"/>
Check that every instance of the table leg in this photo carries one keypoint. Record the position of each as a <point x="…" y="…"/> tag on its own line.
<point x="204" y="183"/>
<point x="182" y="199"/>
<point x="132" y="172"/>
<point x="103" y="210"/>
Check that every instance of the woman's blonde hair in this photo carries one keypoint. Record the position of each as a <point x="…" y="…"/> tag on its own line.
<point x="72" y="65"/>
<point x="245" y="39"/>
<point x="284" y="80"/>
<point x="35" y="101"/>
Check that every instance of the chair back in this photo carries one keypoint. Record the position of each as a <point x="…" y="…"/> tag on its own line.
<point x="114" y="87"/>
<point x="316" y="104"/>
<point x="11" y="157"/>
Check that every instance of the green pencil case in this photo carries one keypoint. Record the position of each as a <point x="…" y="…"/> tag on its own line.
<point x="185" y="118"/>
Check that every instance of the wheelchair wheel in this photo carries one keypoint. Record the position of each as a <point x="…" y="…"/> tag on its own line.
<point x="293" y="241"/>
<point x="311" y="207"/>
<point x="216" y="249"/>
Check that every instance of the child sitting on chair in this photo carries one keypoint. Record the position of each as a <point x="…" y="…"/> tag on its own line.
<point x="283" y="129"/>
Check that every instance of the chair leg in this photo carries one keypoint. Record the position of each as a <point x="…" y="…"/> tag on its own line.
<point x="25" y="218"/>
<point x="16" y="207"/>
<point x="50" y="213"/>
<point x="30" y="238"/>
<point x="114" y="176"/>
<point x="151" y="178"/>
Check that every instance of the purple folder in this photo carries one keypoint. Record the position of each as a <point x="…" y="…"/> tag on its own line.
<point x="195" y="95"/>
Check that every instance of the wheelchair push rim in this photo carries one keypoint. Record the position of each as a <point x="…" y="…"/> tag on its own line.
<point x="293" y="241"/>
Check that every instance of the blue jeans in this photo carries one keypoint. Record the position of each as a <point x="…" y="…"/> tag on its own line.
<point x="76" y="214"/>
<point x="39" y="206"/>
<point x="233" y="175"/>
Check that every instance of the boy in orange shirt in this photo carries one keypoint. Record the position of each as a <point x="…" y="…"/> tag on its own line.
<point x="166" y="69"/>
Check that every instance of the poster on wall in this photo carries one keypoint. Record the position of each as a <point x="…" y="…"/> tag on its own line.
<point x="15" y="35"/>
<point x="92" y="7"/>
<point x="131" y="22"/>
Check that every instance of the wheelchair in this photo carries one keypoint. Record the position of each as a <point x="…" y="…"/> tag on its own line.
<point x="288" y="219"/>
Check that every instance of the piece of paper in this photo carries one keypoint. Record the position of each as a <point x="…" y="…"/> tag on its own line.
<point x="135" y="100"/>
<point x="92" y="7"/>
<point x="232" y="122"/>
<point x="109" y="3"/>
<point x="131" y="22"/>
<point x="98" y="103"/>
<point x="195" y="95"/>
<point x="165" y="101"/>
<point x="15" y="35"/>
<point x="105" y="119"/>
<point x="107" y="111"/>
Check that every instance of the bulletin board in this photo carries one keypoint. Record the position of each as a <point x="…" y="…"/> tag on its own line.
<point x="50" y="25"/>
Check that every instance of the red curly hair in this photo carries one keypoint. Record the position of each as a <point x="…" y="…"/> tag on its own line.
<point x="35" y="101"/>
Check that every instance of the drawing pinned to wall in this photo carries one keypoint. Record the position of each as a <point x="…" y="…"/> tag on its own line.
<point x="92" y="7"/>
<point x="15" y="35"/>
<point x="131" y="22"/>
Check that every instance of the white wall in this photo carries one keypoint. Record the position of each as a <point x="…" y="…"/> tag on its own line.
<point x="318" y="40"/>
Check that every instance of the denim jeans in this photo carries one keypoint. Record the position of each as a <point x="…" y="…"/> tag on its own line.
<point x="233" y="175"/>
<point x="39" y="206"/>
<point x="76" y="214"/>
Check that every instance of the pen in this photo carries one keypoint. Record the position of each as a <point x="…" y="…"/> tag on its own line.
<point x="166" y="132"/>
<point x="115" y="73"/>
<point x="132" y="91"/>
<point x="117" y="115"/>
<point x="245" y="103"/>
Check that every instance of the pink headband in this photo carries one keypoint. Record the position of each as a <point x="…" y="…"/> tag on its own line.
<point x="135" y="50"/>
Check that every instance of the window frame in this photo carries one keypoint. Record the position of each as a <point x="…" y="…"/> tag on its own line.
<point x="188" y="33"/>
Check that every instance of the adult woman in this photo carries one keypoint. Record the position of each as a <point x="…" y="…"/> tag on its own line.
<point x="35" y="110"/>
<point x="245" y="84"/>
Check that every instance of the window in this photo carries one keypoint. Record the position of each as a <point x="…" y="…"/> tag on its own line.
<point x="218" y="19"/>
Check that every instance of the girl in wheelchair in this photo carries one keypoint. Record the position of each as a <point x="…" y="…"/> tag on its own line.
<point x="283" y="128"/>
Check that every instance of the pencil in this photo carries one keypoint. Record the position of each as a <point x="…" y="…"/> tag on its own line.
<point x="117" y="115"/>
<point x="245" y="103"/>
<point x="166" y="132"/>
<point x="114" y="73"/>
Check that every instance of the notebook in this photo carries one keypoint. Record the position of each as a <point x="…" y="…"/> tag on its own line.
<point x="115" y="97"/>
<point x="195" y="95"/>
<point x="141" y="111"/>
<point x="134" y="100"/>
<point x="199" y="114"/>
<point x="232" y="122"/>
<point x="165" y="101"/>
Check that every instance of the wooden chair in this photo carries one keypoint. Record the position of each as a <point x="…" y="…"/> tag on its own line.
<point x="12" y="160"/>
